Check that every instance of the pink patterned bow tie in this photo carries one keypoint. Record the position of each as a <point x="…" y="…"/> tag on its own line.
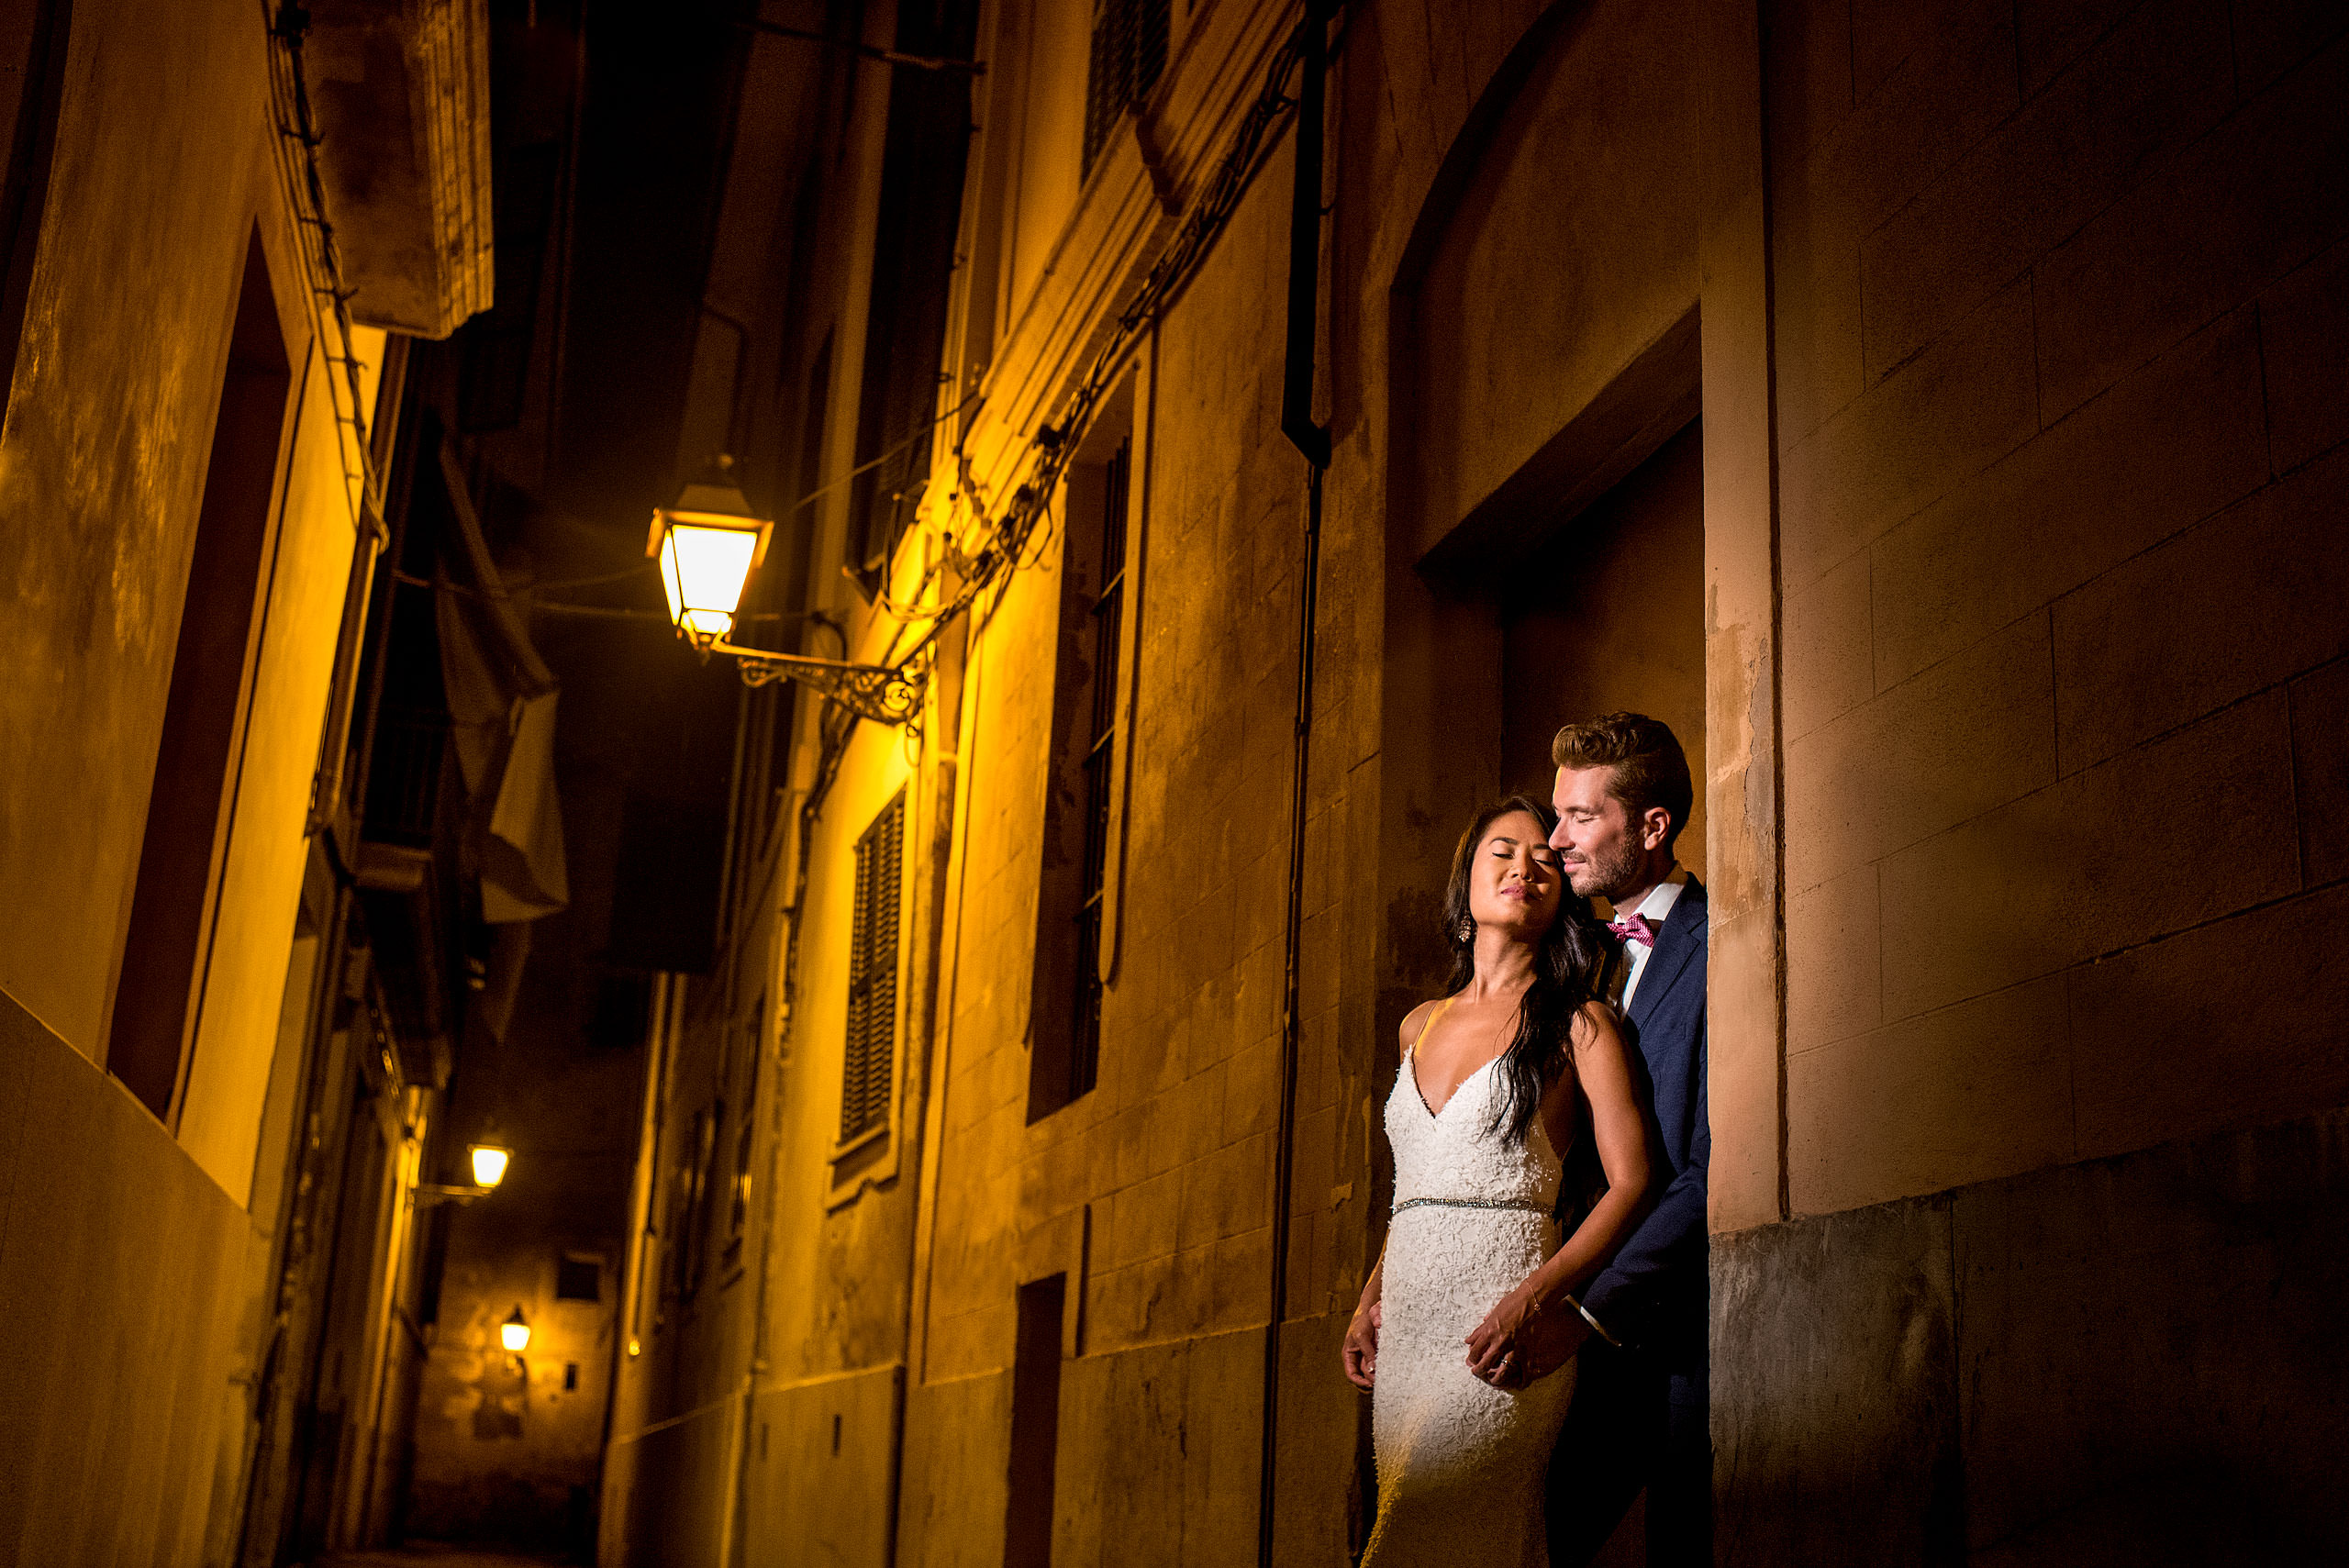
<point x="1634" y="929"/>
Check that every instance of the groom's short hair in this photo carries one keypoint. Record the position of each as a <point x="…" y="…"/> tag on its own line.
<point x="1650" y="768"/>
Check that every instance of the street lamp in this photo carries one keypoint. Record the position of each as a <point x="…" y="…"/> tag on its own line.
<point x="707" y="544"/>
<point x="489" y="1164"/>
<point x="514" y="1332"/>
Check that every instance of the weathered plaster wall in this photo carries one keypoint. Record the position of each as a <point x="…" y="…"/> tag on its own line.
<point x="1572" y="248"/>
<point x="126" y="1255"/>
<point x="261" y="876"/>
<point x="101" y="466"/>
<point x="108" y="430"/>
<point x="120" y="1273"/>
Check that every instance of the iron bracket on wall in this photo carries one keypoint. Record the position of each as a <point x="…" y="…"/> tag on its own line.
<point x="877" y="692"/>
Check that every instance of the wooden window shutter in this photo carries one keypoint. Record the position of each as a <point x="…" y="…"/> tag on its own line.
<point x="872" y="974"/>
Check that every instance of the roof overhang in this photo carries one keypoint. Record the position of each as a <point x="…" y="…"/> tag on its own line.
<point x="399" y="90"/>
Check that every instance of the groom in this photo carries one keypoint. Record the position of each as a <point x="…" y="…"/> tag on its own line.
<point x="1639" y="1415"/>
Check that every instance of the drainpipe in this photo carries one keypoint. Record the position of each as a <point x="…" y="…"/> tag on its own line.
<point x="1311" y="439"/>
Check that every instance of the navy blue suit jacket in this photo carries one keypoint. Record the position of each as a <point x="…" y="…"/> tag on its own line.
<point x="1653" y="1295"/>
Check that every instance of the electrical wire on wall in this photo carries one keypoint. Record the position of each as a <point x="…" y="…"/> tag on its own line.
<point x="985" y="556"/>
<point x="296" y="142"/>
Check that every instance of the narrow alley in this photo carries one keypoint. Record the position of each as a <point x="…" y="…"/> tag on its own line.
<point x="772" y="762"/>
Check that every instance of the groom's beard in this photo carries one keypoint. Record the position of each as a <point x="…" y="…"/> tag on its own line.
<point x="1607" y="876"/>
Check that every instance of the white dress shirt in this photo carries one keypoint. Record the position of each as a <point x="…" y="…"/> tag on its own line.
<point x="1653" y="908"/>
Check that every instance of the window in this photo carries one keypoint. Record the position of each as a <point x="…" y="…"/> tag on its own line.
<point x="738" y="1204"/>
<point x="1035" y="1424"/>
<point x="1108" y="622"/>
<point x="1128" y="53"/>
<point x="920" y="210"/>
<point x="688" y="1226"/>
<point x="33" y="37"/>
<point x="172" y="903"/>
<point x="579" y="1276"/>
<point x="872" y="975"/>
<point x="1073" y="910"/>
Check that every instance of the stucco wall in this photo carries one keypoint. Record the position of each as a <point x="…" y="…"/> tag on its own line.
<point x="103" y="462"/>
<point x="126" y="1254"/>
<point x="120" y="1270"/>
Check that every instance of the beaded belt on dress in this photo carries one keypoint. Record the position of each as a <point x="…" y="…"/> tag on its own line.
<point x="1527" y="1205"/>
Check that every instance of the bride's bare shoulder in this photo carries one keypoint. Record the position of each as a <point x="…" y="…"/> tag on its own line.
<point x="1595" y="1023"/>
<point x="1416" y="1020"/>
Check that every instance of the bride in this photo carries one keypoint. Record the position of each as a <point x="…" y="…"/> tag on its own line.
<point x="1459" y="1325"/>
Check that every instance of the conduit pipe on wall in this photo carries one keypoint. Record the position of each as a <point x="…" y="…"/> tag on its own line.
<point x="1313" y="439"/>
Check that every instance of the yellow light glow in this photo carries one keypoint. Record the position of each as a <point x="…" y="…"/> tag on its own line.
<point x="489" y="1164"/>
<point x="515" y="1334"/>
<point x="704" y="570"/>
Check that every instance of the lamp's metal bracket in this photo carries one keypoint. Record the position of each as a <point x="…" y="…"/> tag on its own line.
<point x="424" y="1195"/>
<point x="877" y="692"/>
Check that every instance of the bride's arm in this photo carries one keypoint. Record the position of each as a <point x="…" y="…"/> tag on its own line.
<point x="1361" y="1352"/>
<point x="1619" y="1132"/>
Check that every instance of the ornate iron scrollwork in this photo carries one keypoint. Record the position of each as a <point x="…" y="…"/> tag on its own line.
<point x="877" y="692"/>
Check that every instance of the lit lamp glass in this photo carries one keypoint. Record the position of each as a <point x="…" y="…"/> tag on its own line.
<point x="489" y="1164"/>
<point x="513" y="1334"/>
<point x="707" y="545"/>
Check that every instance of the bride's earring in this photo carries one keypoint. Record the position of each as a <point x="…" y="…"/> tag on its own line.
<point x="1467" y="928"/>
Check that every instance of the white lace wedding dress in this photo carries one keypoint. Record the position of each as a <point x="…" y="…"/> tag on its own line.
<point x="1460" y="1463"/>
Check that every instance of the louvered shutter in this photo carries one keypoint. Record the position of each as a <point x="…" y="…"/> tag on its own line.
<point x="872" y="974"/>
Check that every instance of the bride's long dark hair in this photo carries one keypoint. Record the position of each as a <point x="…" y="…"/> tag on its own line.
<point x="1567" y="965"/>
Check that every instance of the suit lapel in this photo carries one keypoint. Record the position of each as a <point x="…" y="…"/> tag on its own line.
<point x="1673" y="944"/>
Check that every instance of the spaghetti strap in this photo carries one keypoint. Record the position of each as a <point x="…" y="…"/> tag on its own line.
<point x="1440" y="1006"/>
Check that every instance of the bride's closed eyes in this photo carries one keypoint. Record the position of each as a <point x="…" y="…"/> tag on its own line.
<point x="1505" y="848"/>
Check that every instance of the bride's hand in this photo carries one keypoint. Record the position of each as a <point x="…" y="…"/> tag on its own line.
<point x="1519" y="1340"/>
<point x="1494" y="1352"/>
<point x="1361" y="1345"/>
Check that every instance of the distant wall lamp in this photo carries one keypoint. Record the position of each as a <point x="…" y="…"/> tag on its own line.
<point x="514" y="1332"/>
<point x="489" y="1163"/>
<point x="708" y="543"/>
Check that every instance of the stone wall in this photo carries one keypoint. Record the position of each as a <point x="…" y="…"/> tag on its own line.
<point x="2063" y="569"/>
<point x="2062" y="580"/>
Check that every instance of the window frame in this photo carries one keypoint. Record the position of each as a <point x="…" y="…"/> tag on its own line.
<point x="1134" y="39"/>
<point x="1123" y="424"/>
<point x="867" y="928"/>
